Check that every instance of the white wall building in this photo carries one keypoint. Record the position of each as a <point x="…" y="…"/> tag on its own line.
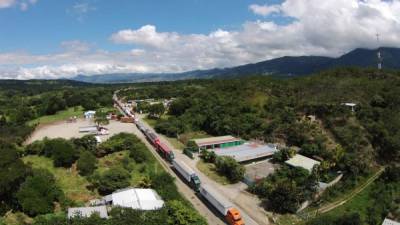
<point x="135" y="198"/>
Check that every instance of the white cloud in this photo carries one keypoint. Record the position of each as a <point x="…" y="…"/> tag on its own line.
<point x="22" y="4"/>
<point x="81" y="9"/>
<point x="264" y="10"/>
<point x="329" y="27"/>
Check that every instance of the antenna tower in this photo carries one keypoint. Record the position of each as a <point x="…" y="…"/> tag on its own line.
<point x="379" y="55"/>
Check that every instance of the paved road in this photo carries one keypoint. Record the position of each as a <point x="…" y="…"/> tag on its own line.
<point x="211" y="217"/>
<point x="245" y="203"/>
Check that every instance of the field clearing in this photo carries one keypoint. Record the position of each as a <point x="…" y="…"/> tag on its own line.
<point x="61" y="115"/>
<point x="137" y="171"/>
<point x="73" y="185"/>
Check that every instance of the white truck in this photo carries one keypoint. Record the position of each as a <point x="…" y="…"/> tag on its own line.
<point x="223" y="205"/>
<point x="187" y="173"/>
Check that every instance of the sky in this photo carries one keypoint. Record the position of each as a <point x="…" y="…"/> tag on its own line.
<point x="65" y="38"/>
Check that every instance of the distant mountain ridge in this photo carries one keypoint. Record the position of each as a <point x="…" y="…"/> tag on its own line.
<point x="280" y="67"/>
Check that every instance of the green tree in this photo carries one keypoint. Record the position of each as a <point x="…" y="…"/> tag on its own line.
<point x="230" y="168"/>
<point x="101" y="118"/>
<point x="63" y="153"/>
<point x="88" y="103"/>
<point x="180" y="214"/>
<point x="55" y="104"/>
<point x="156" y="110"/>
<point x="86" y="163"/>
<point x="38" y="193"/>
<point x="113" y="179"/>
<point x="12" y="172"/>
<point x="87" y="142"/>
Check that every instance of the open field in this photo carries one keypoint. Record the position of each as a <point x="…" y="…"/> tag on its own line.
<point x="73" y="185"/>
<point x="69" y="130"/>
<point x="61" y="115"/>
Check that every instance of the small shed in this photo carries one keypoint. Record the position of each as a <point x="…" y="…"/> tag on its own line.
<point x="88" y="211"/>
<point x="303" y="162"/>
<point x="89" y="114"/>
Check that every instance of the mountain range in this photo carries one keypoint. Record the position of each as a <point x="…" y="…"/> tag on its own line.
<point x="288" y="66"/>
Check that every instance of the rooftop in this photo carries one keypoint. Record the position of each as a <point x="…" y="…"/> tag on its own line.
<point x="247" y="151"/>
<point x="215" y="140"/>
<point x="302" y="161"/>
<point x="390" y="222"/>
<point x="135" y="198"/>
<point x="88" y="211"/>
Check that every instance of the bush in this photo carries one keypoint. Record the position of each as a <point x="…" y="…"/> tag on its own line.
<point x="230" y="168"/>
<point x="86" y="163"/>
<point x="112" y="180"/>
<point x="38" y="193"/>
<point x="61" y="151"/>
<point x="35" y="148"/>
<point x="87" y="142"/>
<point x="180" y="214"/>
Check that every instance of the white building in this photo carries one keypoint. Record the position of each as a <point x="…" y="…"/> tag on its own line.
<point x="390" y="222"/>
<point x="303" y="162"/>
<point x="89" y="114"/>
<point x="88" y="211"/>
<point x="135" y="198"/>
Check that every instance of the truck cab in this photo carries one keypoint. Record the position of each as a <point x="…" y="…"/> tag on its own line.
<point x="233" y="217"/>
<point x="195" y="183"/>
<point x="170" y="156"/>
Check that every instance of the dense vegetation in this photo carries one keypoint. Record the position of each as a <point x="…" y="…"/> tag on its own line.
<point x="307" y="113"/>
<point x="38" y="182"/>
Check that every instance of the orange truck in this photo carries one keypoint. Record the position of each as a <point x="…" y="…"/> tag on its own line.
<point x="222" y="205"/>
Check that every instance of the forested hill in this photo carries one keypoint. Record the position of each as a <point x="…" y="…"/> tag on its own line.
<point x="279" y="67"/>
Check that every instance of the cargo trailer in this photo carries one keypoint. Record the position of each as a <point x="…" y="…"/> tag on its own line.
<point x="222" y="205"/>
<point x="188" y="174"/>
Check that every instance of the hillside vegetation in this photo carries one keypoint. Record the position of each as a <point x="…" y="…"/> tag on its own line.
<point x="305" y="112"/>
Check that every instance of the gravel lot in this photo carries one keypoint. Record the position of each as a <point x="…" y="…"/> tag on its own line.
<point x="66" y="130"/>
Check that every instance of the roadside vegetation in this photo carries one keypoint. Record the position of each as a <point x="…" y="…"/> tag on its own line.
<point x="305" y="113"/>
<point x="38" y="182"/>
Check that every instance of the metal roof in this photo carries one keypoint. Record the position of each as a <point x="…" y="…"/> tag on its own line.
<point x="390" y="222"/>
<point x="215" y="140"/>
<point x="135" y="198"/>
<point x="302" y="161"/>
<point x="88" y="211"/>
<point x="247" y="151"/>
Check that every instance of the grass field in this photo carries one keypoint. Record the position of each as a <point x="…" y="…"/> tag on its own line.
<point x="61" y="115"/>
<point x="137" y="171"/>
<point x="210" y="171"/>
<point x="73" y="185"/>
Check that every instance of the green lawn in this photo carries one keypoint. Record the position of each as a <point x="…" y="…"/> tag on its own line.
<point x="73" y="185"/>
<point x="61" y="115"/>
<point x="210" y="171"/>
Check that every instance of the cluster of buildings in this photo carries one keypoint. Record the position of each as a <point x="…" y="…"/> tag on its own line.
<point x="134" y="198"/>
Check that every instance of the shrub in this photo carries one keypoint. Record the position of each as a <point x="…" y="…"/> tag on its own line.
<point x="38" y="193"/>
<point x="230" y="168"/>
<point x="112" y="180"/>
<point x="86" y="163"/>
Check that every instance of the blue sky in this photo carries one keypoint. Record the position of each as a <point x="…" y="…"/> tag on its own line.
<point x="50" y="22"/>
<point x="63" y="38"/>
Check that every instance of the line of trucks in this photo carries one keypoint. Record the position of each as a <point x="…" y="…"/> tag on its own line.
<point x="219" y="202"/>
